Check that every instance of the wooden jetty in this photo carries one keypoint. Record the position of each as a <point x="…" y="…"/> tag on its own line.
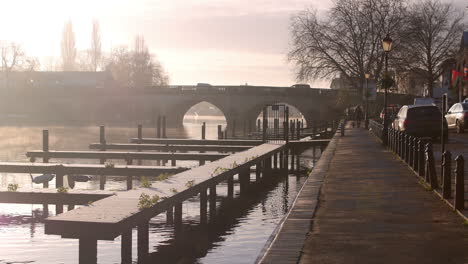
<point x="167" y="148"/>
<point x="51" y="196"/>
<point x="127" y="156"/>
<point x="118" y="214"/>
<point x="181" y="141"/>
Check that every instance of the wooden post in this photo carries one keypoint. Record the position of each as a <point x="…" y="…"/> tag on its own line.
<point x="178" y="217"/>
<point x="231" y="187"/>
<point x="129" y="178"/>
<point x="244" y="180"/>
<point x="459" y="183"/>
<point x="281" y="160"/>
<point x="258" y="171"/>
<point x="258" y="125"/>
<point x="158" y="128"/>
<point x="203" y="207"/>
<point x="292" y="159"/>
<point x="87" y="251"/>
<point x="164" y="126"/>
<point x="220" y="132"/>
<point x="45" y="148"/>
<point x="71" y="207"/>
<point x="170" y="216"/>
<point x="447" y="174"/>
<point x="212" y="203"/>
<point x="298" y="130"/>
<point x="275" y="161"/>
<point x="140" y="132"/>
<point x="234" y="128"/>
<point x="59" y="184"/>
<point x="102" y="141"/>
<point x="126" y="247"/>
<point x="298" y="163"/>
<point x="203" y="130"/>
<point x="201" y="162"/>
<point x="143" y="242"/>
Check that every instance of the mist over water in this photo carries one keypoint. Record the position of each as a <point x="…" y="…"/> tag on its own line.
<point x="238" y="235"/>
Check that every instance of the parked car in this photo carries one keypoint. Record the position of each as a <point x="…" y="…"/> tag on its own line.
<point x="457" y="117"/>
<point x="420" y="121"/>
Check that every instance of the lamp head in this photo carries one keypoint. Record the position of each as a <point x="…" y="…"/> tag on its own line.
<point x="387" y="43"/>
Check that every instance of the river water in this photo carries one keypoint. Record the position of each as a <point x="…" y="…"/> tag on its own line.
<point x="239" y="232"/>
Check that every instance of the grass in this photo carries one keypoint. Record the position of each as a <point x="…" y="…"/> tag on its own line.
<point x="164" y="176"/>
<point x="190" y="184"/>
<point x="145" y="183"/>
<point x="145" y="201"/>
<point x="62" y="190"/>
<point x="13" y="187"/>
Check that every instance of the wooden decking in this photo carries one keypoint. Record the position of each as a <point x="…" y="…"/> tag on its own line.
<point x="124" y="155"/>
<point x="50" y="196"/>
<point x="168" y="148"/>
<point x="177" y="141"/>
<point x="109" y="217"/>
<point x="90" y="169"/>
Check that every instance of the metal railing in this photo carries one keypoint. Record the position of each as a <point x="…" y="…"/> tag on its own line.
<point x="418" y="154"/>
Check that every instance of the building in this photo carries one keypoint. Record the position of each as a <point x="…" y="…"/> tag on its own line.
<point x="56" y="80"/>
<point x="462" y="63"/>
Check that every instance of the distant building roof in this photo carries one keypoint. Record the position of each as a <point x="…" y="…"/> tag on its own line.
<point x="72" y="79"/>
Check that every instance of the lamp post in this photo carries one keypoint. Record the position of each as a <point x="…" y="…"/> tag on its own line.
<point x="387" y="47"/>
<point x="366" y="122"/>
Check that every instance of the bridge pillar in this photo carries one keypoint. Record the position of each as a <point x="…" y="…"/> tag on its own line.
<point x="87" y="251"/>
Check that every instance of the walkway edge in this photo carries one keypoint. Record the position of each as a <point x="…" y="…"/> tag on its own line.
<point x="287" y="241"/>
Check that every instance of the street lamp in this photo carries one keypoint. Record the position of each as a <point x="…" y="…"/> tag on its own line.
<point x="387" y="47"/>
<point x="366" y="121"/>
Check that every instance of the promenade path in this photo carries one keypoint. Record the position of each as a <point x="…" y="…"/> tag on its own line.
<point x="372" y="210"/>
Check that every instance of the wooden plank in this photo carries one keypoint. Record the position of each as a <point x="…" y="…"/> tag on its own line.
<point x="169" y="148"/>
<point x="88" y="169"/>
<point x="50" y="196"/>
<point x="124" y="155"/>
<point x="183" y="141"/>
<point x="109" y="217"/>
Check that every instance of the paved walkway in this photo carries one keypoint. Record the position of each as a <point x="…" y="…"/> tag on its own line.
<point x="372" y="210"/>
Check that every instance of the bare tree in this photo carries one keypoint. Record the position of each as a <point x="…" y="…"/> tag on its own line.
<point x="12" y="56"/>
<point x="433" y="36"/>
<point x="68" y="47"/>
<point x="95" y="52"/>
<point x="347" y="41"/>
<point x="137" y="68"/>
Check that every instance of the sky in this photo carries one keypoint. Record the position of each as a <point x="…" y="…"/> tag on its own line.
<point x="205" y="41"/>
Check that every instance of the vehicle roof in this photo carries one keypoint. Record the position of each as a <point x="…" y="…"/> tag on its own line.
<point x="421" y="105"/>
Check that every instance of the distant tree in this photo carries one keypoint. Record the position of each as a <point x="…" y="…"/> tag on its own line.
<point x="432" y="36"/>
<point x="136" y="68"/>
<point x="68" y="47"/>
<point x="12" y="56"/>
<point x="95" y="52"/>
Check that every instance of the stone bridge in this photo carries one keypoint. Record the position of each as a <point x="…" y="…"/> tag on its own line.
<point x="240" y="104"/>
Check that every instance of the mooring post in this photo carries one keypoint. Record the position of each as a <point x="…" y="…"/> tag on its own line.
<point x="102" y="142"/>
<point x="230" y="185"/>
<point x="158" y="127"/>
<point x="71" y="207"/>
<point x="281" y="160"/>
<point x="164" y="126"/>
<point x="203" y="206"/>
<point x="87" y="251"/>
<point x="203" y="130"/>
<point x="225" y="134"/>
<point x="143" y="241"/>
<point x="292" y="159"/>
<point x="140" y="132"/>
<point x="220" y="132"/>
<point x="170" y="216"/>
<point x="298" y="130"/>
<point x="45" y="149"/>
<point x="212" y="203"/>
<point x="201" y="162"/>
<point x="459" y="183"/>
<point x="126" y="247"/>
<point x="129" y="178"/>
<point x="447" y="174"/>
<point x="59" y="184"/>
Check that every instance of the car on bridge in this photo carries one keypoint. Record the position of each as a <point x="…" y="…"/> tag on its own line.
<point x="420" y="121"/>
<point x="457" y="117"/>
